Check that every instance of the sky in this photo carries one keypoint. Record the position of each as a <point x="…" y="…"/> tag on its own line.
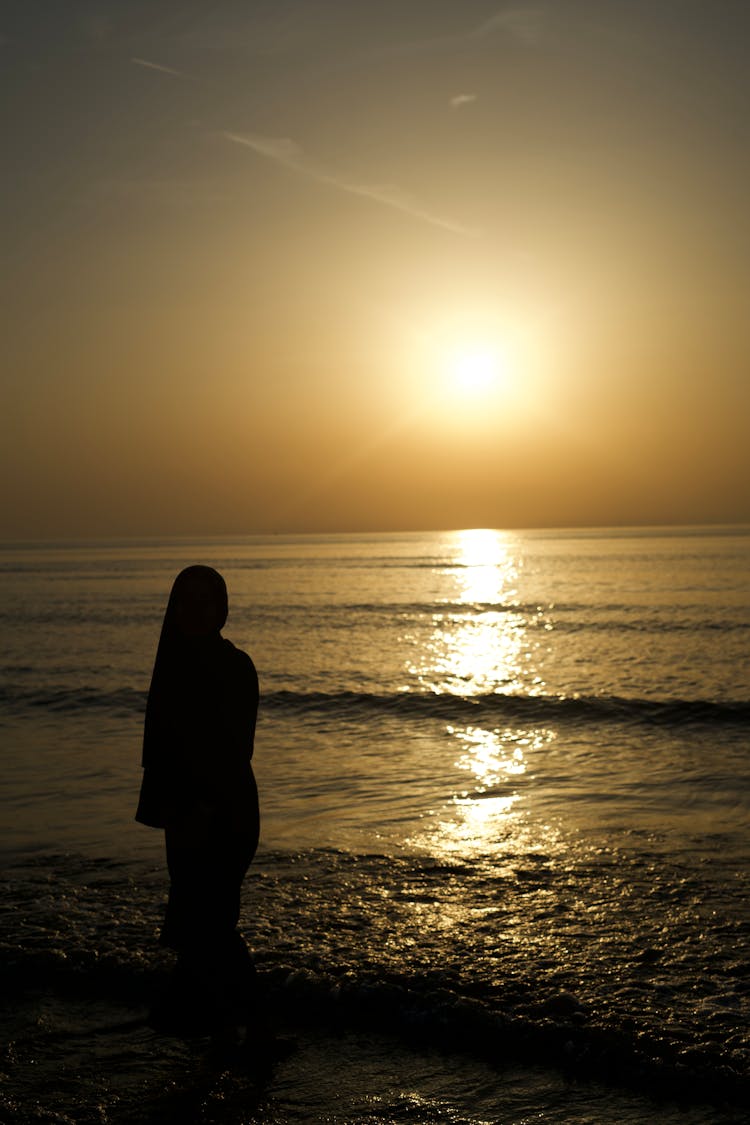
<point x="323" y="265"/>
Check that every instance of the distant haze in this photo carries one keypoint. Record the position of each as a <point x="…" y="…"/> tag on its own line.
<point x="322" y="265"/>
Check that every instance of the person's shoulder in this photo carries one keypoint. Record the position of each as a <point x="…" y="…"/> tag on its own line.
<point x="240" y="660"/>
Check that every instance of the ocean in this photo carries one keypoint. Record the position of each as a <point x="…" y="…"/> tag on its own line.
<point x="505" y="791"/>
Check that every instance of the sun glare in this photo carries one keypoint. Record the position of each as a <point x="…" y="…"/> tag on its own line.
<point x="475" y="371"/>
<point x="472" y="367"/>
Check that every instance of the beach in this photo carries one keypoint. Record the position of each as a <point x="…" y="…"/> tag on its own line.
<point x="504" y="784"/>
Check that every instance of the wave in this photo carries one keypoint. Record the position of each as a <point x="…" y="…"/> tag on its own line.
<point x="562" y="617"/>
<point x="543" y="709"/>
<point x="350" y="706"/>
<point x="595" y="999"/>
<point x="122" y="702"/>
<point x="554" y="1030"/>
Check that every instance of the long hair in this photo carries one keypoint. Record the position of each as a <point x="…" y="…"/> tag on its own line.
<point x="197" y="610"/>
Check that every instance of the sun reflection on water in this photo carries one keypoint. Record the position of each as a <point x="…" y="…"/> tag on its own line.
<point x="487" y="757"/>
<point x="489" y="568"/>
<point x="485" y="643"/>
<point x="482" y="642"/>
<point x="488" y="815"/>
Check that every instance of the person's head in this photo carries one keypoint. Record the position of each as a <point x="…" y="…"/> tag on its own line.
<point x="198" y="603"/>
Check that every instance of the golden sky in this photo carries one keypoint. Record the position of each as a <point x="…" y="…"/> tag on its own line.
<point x="311" y="265"/>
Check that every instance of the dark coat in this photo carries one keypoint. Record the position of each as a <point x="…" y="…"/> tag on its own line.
<point x="200" y="721"/>
<point x="198" y="738"/>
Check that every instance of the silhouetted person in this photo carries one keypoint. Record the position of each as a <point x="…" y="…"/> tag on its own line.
<point x="198" y="785"/>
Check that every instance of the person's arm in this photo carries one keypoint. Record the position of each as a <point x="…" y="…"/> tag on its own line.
<point x="239" y="707"/>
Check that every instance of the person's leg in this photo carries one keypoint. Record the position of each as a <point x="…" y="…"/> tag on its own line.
<point x="232" y="970"/>
<point x="214" y="982"/>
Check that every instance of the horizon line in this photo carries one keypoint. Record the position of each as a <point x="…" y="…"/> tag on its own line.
<point x="742" y="526"/>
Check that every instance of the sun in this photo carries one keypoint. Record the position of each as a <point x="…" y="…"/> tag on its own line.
<point x="469" y="369"/>
<point x="476" y="371"/>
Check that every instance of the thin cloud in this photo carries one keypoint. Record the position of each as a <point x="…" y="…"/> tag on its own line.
<point x="285" y="152"/>
<point x="158" y="66"/>
<point x="524" y="24"/>
<point x="461" y="100"/>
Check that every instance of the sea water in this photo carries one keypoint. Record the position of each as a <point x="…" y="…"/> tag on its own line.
<point x="505" y="782"/>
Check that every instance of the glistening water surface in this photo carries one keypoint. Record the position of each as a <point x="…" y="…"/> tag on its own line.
<point x="504" y="785"/>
